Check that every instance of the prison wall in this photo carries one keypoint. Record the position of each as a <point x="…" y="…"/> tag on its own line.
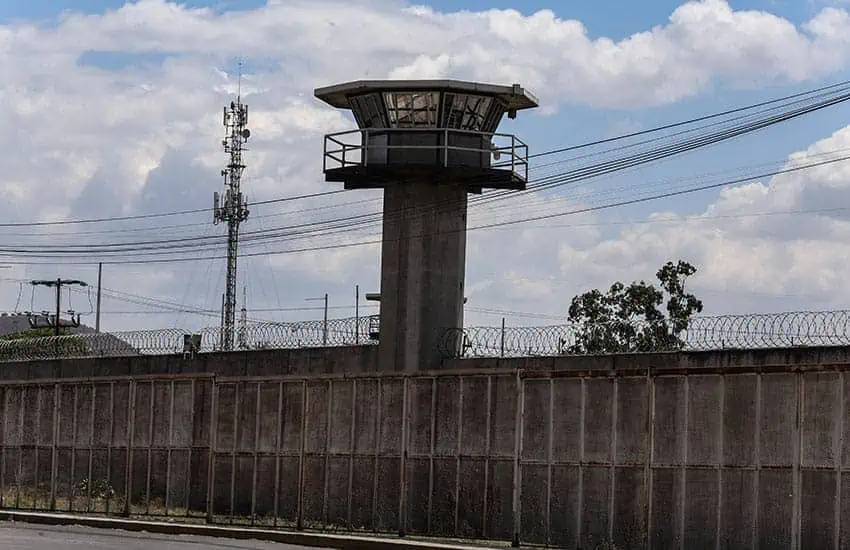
<point x="732" y="449"/>
<point x="342" y="359"/>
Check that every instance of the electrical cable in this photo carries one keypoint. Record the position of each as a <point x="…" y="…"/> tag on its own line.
<point x="495" y="224"/>
<point x="842" y="84"/>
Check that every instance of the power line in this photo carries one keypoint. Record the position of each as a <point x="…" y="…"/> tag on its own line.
<point x="814" y="92"/>
<point x="161" y="214"/>
<point x="616" y="204"/>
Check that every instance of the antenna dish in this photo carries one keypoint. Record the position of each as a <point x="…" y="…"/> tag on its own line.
<point x="246" y="133"/>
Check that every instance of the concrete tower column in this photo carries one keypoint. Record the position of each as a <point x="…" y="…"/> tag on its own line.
<point x="422" y="272"/>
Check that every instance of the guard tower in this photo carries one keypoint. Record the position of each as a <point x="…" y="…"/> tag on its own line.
<point x="428" y="144"/>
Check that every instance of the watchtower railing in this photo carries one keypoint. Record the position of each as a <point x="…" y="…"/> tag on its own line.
<point x="354" y="148"/>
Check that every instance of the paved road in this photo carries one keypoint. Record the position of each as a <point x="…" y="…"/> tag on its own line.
<point x="22" y="536"/>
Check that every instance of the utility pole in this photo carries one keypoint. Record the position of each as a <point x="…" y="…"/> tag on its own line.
<point x="58" y="283"/>
<point x="232" y="207"/>
<point x="99" y="278"/>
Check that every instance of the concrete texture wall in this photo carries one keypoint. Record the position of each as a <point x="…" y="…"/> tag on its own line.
<point x="732" y="450"/>
<point x="423" y="262"/>
<point x="343" y="359"/>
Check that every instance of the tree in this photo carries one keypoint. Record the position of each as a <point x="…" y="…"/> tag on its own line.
<point x="628" y="318"/>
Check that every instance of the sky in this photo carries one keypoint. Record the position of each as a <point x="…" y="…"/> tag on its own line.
<point x="113" y="109"/>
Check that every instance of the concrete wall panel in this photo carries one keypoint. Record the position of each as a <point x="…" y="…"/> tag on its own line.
<point x="444" y="497"/>
<point x="705" y="396"/>
<point x="596" y="505"/>
<point x="313" y="505"/>
<point x="739" y="420"/>
<point x="471" y="497"/>
<point x="738" y="508"/>
<point x="160" y="416"/>
<point x="775" y="508"/>
<point x="318" y="406"/>
<point x="362" y="492"/>
<point x="534" y="504"/>
<point x="421" y="400"/>
<point x="294" y="394"/>
<point x="499" y="509"/>
<point x="503" y="410"/>
<point x="778" y="419"/>
<point x="565" y="510"/>
<point x="630" y="508"/>
<point x="336" y="505"/>
<point x="822" y="410"/>
<point x="700" y="508"/>
<point x="669" y="420"/>
<point x="366" y="409"/>
<point x="665" y="530"/>
<point x="392" y="415"/>
<point x="264" y="486"/>
<point x="632" y="420"/>
<point x="598" y="419"/>
<point x="418" y="495"/>
<point x="567" y="419"/>
<point x="341" y="415"/>
<point x="818" y="507"/>
<point x="447" y="401"/>
<point x="475" y="410"/>
<point x="289" y="482"/>
<point x="536" y="420"/>
<point x="270" y="404"/>
<point x="387" y="500"/>
<point x="225" y="408"/>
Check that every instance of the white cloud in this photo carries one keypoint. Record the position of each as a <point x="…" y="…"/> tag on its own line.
<point x="94" y="134"/>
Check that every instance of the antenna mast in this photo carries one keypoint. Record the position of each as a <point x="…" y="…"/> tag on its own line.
<point x="243" y="320"/>
<point x="232" y="207"/>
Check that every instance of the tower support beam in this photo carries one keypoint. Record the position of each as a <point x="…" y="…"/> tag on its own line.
<point x="422" y="272"/>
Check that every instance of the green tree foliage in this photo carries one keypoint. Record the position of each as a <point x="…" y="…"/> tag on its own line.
<point x="41" y="343"/>
<point x="628" y="318"/>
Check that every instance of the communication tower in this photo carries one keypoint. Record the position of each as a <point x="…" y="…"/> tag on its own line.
<point x="428" y="144"/>
<point x="231" y="207"/>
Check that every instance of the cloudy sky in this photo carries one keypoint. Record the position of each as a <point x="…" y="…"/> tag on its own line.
<point x="113" y="109"/>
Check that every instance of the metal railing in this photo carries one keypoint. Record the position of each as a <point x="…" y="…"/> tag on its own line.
<point x="352" y="148"/>
<point x="774" y="330"/>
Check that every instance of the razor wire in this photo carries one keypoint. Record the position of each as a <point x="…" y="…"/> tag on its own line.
<point x="743" y="331"/>
<point x="750" y="331"/>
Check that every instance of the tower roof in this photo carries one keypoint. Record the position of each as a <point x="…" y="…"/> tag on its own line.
<point x="513" y="97"/>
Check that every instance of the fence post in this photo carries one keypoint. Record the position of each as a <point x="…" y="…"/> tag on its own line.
<point x="211" y="456"/>
<point x="517" y="491"/>
<point x="503" y="338"/>
<point x="299" y="524"/>
<point x="54" y="459"/>
<point x="131" y="435"/>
